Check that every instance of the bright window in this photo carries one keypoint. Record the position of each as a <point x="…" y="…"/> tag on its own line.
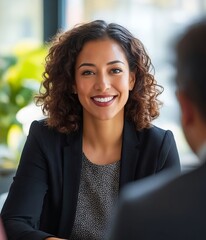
<point x="20" y="21"/>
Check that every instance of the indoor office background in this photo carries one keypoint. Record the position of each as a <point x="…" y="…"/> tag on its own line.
<point x="25" y="28"/>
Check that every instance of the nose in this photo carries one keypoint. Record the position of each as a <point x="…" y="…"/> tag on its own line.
<point x="102" y="83"/>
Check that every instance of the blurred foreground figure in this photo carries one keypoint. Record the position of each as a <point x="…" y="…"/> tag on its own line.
<point x="152" y="209"/>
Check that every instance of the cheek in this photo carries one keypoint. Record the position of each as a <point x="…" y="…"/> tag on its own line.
<point x="124" y="83"/>
<point x="81" y="85"/>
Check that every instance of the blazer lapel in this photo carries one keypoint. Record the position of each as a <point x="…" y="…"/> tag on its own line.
<point x="72" y="163"/>
<point x="130" y="153"/>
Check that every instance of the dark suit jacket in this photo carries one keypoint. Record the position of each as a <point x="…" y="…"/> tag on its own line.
<point x="163" y="207"/>
<point x="43" y="197"/>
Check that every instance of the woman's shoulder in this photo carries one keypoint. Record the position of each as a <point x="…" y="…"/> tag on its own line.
<point x="157" y="135"/>
<point x="40" y="128"/>
<point x="157" y="131"/>
<point x="153" y="129"/>
<point x="46" y="136"/>
<point x="153" y="132"/>
<point x="41" y="125"/>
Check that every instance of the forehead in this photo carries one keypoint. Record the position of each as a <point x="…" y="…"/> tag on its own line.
<point x="104" y="50"/>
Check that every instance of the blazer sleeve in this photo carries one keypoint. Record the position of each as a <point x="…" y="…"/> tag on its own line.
<point x="22" y="209"/>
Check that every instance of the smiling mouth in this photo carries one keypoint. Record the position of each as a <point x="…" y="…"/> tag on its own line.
<point x="103" y="99"/>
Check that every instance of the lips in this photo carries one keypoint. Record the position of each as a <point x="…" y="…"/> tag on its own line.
<point x="103" y="100"/>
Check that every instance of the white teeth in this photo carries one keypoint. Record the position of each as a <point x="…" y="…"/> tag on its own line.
<point x="106" y="99"/>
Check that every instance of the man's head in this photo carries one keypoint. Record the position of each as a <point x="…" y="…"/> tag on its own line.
<point x="191" y="83"/>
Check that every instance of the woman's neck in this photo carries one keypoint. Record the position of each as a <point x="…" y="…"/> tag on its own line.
<point x="102" y="140"/>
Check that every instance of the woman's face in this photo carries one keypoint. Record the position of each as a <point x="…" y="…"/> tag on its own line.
<point x="103" y="79"/>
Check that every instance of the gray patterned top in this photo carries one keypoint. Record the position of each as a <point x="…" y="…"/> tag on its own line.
<point x="98" y="191"/>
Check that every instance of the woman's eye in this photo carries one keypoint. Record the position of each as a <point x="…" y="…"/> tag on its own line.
<point x="116" y="70"/>
<point x="87" y="72"/>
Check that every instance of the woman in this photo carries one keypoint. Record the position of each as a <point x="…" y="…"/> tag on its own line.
<point x="99" y="98"/>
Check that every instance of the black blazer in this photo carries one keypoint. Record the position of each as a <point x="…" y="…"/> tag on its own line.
<point x="162" y="207"/>
<point x="43" y="197"/>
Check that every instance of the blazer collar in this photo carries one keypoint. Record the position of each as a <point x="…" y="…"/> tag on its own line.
<point x="72" y="164"/>
<point x="130" y="153"/>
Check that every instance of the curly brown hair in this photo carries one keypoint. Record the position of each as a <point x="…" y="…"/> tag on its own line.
<point x="56" y="95"/>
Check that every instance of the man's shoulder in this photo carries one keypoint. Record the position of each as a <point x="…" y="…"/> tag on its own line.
<point x="139" y="190"/>
<point x="164" y="186"/>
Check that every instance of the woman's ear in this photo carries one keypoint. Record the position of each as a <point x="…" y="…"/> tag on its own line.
<point x="132" y="80"/>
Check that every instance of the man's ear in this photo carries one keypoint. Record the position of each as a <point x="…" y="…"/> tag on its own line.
<point x="187" y="108"/>
<point x="132" y="80"/>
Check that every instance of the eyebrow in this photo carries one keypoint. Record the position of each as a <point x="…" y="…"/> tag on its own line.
<point x="93" y="65"/>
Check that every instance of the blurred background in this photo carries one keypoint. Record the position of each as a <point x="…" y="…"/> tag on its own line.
<point x="25" y="27"/>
